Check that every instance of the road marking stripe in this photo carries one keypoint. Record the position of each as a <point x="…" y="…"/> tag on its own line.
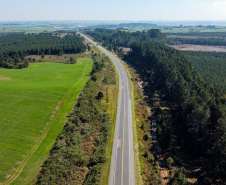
<point x="123" y="135"/>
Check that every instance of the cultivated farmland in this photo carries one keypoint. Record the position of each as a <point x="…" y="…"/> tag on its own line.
<point x="34" y="103"/>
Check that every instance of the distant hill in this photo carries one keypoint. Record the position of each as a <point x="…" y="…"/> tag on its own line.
<point x="123" y="25"/>
<point x="138" y="25"/>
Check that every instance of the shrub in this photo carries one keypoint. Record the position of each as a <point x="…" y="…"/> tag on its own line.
<point x="169" y="161"/>
<point x="151" y="158"/>
<point x="147" y="136"/>
<point x="179" y="178"/>
<point x="94" y="78"/>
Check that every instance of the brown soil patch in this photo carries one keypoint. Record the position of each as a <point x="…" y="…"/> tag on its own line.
<point x="125" y="49"/>
<point x="80" y="175"/>
<point x="190" y="47"/>
<point x="18" y="162"/>
<point x="58" y="59"/>
<point x="89" y="144"/>
<point x="12" y="169"/>
<point x="192" y="180"/>
<point x="7" y="176"/>
<point x="4" y="78"/>
<point x="57" y="108"/>
<point x="165" y="175"/>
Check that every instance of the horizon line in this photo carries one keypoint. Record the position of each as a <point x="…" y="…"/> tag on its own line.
<point x="104" y="20"/>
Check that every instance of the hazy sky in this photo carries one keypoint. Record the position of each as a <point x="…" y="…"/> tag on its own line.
<point x="112" y="10"/>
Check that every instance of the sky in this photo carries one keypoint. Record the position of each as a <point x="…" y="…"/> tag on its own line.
<point x="12" y="10"/>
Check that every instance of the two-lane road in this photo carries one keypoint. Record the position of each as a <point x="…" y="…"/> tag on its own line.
<point x="122" y="160"/>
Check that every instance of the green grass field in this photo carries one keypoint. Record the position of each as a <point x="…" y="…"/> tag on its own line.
<point x="186" y="30"/>
<point x="34" y="103"/>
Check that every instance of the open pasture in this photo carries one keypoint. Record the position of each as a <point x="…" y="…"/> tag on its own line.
<point x="34" y="103"/>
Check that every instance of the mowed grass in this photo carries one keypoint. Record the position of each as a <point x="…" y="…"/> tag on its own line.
<point x="34" y="103"/>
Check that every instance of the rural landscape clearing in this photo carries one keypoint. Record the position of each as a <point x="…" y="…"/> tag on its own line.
<point x="37" y="101"/>
<point x="112" y="92"/>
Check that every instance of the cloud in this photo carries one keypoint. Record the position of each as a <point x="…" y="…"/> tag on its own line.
<point x="221" y="4"/>
<point x="189" y="2"/>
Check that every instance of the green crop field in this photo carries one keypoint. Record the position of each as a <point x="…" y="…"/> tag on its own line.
<point x="187" y="30"/>
<point x="34" y="103"/>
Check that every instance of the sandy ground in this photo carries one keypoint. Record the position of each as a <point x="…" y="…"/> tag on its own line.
<point x="4" y="78"/>
<point x="125" y="49"/>
<point x="190" y="47"/>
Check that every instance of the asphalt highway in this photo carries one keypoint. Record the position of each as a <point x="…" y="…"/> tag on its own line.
<point x="122" y="159"/>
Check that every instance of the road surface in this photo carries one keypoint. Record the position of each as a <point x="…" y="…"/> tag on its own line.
<point x="122" y="159"/>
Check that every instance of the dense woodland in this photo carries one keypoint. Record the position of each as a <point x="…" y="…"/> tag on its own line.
<point x="79" y="154"/>
<point x="194" y="119"/>
<point x="113" y="39"/>
<point x="211" y="66"/>
<point x="10" y="33"/>
<point x="15" y="47"/>
<point x="191" y="115"/>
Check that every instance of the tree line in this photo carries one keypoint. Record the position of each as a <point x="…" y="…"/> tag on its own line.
<point x="10" y="33"/>
<point x="14" y="48"/>
<point x="196" y="115"/>
<point x="115" y="38"/>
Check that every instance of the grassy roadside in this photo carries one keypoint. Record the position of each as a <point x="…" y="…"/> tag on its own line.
<point x="148" y="167"/>
<point x="138" y="178"/>
<point x="145" y="171"/>
<point x="106" y="169"/>
<point x="84" y="140"/>
<point x="58" y="59"/>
